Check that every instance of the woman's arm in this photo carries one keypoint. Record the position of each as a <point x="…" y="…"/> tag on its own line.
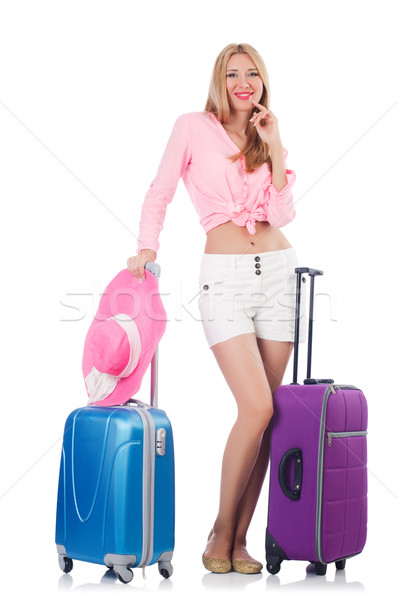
<point x="175" y="159"/>
<point x="278" y="202"/>
<point x="279" y="177"/>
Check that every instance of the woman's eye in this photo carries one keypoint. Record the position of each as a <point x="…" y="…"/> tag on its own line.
<point x="235" y="74"/>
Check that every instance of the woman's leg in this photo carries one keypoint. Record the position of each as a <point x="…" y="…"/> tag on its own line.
<point x="275" y="357"/>
<point x="241" y="364"/>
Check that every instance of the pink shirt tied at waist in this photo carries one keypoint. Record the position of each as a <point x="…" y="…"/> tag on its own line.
<point x="220" y="190"/>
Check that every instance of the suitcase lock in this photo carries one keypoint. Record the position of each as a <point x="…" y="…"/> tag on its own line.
<point x="160" y="441"/>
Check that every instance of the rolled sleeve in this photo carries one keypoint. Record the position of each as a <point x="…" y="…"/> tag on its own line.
<point x="278" y="204"/>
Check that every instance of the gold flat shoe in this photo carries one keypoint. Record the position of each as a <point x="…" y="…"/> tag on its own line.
<point x="247" y="566"/>
<point x="217" y="565"/>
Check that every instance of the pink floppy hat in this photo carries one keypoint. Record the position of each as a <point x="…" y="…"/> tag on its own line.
<point x="122" y="338"/>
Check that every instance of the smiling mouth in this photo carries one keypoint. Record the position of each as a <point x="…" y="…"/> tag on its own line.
<point x="244" y="95"/>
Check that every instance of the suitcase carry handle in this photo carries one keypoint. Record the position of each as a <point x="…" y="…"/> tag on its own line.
<point x="312" y="274"/>
<point x="294" y="494"/>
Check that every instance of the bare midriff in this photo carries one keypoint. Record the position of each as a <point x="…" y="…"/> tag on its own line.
<point x="230" y="238"/>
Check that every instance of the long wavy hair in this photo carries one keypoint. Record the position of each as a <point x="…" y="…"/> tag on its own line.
<point x="256" y="151"/>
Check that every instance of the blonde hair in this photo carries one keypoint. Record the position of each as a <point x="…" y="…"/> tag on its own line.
<point x="256" y="151"/>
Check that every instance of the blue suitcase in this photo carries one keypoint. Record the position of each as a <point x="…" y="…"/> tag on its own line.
<point x="116" y="493"/>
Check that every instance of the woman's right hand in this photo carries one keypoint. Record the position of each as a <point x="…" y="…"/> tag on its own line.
<point x="136" y="264"/>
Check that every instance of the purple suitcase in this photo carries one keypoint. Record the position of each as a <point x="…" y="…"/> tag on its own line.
<point x="318" y="475"/>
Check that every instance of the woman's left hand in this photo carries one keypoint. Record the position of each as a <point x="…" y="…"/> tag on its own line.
<point x="268" y="131"/>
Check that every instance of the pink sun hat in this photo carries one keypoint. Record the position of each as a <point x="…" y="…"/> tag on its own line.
<point x="122" y="338"/>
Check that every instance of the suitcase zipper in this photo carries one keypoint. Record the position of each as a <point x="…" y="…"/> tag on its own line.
<point x="333" y="386"/>
<point x="320" y="468"/>
<point x="148" y="488"/>
<point x="344" y="434"/>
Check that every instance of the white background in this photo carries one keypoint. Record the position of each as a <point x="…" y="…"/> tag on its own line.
<point x="89" y="91"/>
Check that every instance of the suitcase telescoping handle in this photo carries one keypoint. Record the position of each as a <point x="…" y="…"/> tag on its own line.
<point x="156" y="270"/>
<point x="154" y="366"/>
<point x="312" y="274"/>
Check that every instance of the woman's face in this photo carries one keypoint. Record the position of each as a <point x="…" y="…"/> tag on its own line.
<point x="243" y="82"/>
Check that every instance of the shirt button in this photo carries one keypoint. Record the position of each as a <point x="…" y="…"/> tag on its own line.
<point x="257" y="258"/>
<point x="257" y="265"/>
<point x="205" y="287"/>
<point x="258" y="272"/>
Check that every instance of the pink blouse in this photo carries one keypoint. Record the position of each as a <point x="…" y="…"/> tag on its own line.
<point x="221" y="190"/>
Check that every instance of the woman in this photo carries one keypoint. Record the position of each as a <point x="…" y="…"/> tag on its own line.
<point x="232" y="162"/>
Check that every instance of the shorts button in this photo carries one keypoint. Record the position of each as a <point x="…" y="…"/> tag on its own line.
<point x="257" y="265"/>
<point x="205" y="287"/>
<point x="257" y="258"/>
<point x="258" y="272"/>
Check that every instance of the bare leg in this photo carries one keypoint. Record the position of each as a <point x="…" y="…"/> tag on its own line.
<point x="275" y="356"/>
<point x="241" y="363"/>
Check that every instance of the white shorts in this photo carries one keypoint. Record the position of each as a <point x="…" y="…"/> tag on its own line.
<point x="243" y="293"/>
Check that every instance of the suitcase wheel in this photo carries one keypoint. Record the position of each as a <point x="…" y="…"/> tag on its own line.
<point x="65" y="563"/>
<point x="320" y="568"/>
<point x="273" y="564"/>
<point x="124" y="574"/>
<point x="165" y="569"/>
<point x="340" y="564"/>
